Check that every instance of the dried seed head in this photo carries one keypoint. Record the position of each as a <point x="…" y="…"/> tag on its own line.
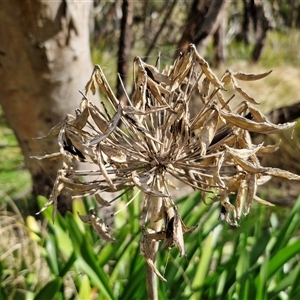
<point x="153" y="138"/>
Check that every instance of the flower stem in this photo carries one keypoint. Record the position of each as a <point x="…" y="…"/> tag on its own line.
<point x="152" y="245"/>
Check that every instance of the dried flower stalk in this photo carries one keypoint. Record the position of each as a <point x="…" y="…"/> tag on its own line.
<point x="152" y="138"/>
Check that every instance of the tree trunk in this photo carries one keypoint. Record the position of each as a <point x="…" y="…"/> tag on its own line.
<point x="248" y="14"/>
<point x="44" y="61"/>
<point x="263" y="25"/>
<point x="124" y="47"/>
<point x="169" y="8"/>
<point x="203" y="20"/>
<point x="219" y="41"/>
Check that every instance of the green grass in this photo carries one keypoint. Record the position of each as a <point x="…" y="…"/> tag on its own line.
<point x="258" y="260"/>
<point x="282" y="49"/>
<point x="14" y="177"/>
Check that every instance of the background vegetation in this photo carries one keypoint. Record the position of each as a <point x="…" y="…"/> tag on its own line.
<point x="258" y="260"/>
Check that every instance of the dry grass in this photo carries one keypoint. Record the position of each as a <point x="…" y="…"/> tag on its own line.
<point x="24" y="267"/>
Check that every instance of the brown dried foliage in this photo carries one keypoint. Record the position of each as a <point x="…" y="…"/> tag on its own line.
<point x="152" y="138"/>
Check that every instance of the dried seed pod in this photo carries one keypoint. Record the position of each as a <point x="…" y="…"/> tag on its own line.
<point x="229" y="209"/>
<point x="97" y="117"/>
<point x="282" y="174"/>
<point x="115" y="155"/>
<point x="105" y="87"/>
<point x="268" y="149"/>
<point x="226" y="78"/>
<point x="178" y="234"/>
<point x="101" y="201"/>
<point x="144" y="187"/>
<point x="90" y="86"/>
<point x="57" y="188"/>
<point x="216" y="176"/>
<point x="242" y="92"/>
<point x="54" y="131"/>
<point x="81" y="118"/>
<point x="109" y="129"/>
<point x="243" y="153"/>
<point x="251" y="180"/>
<point x="208" y="131"/>
<point x="240" y="198"/>
<point x="261" y="201"/>
<point x="252" y="126"/>
<point x="204" y="87"/>
<point x="257" y="115"/>
<point x="250" y="77"/>
<point x="104" y="171"/>
<point x="249" y="166"/>
<point x="148" y="257"/>
<point x="98" y="225"/>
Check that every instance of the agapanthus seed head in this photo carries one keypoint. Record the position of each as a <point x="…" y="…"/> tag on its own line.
<point x="178" y="124"/>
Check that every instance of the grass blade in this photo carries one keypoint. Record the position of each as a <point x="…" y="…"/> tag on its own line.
<point x="49" y="290"/>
